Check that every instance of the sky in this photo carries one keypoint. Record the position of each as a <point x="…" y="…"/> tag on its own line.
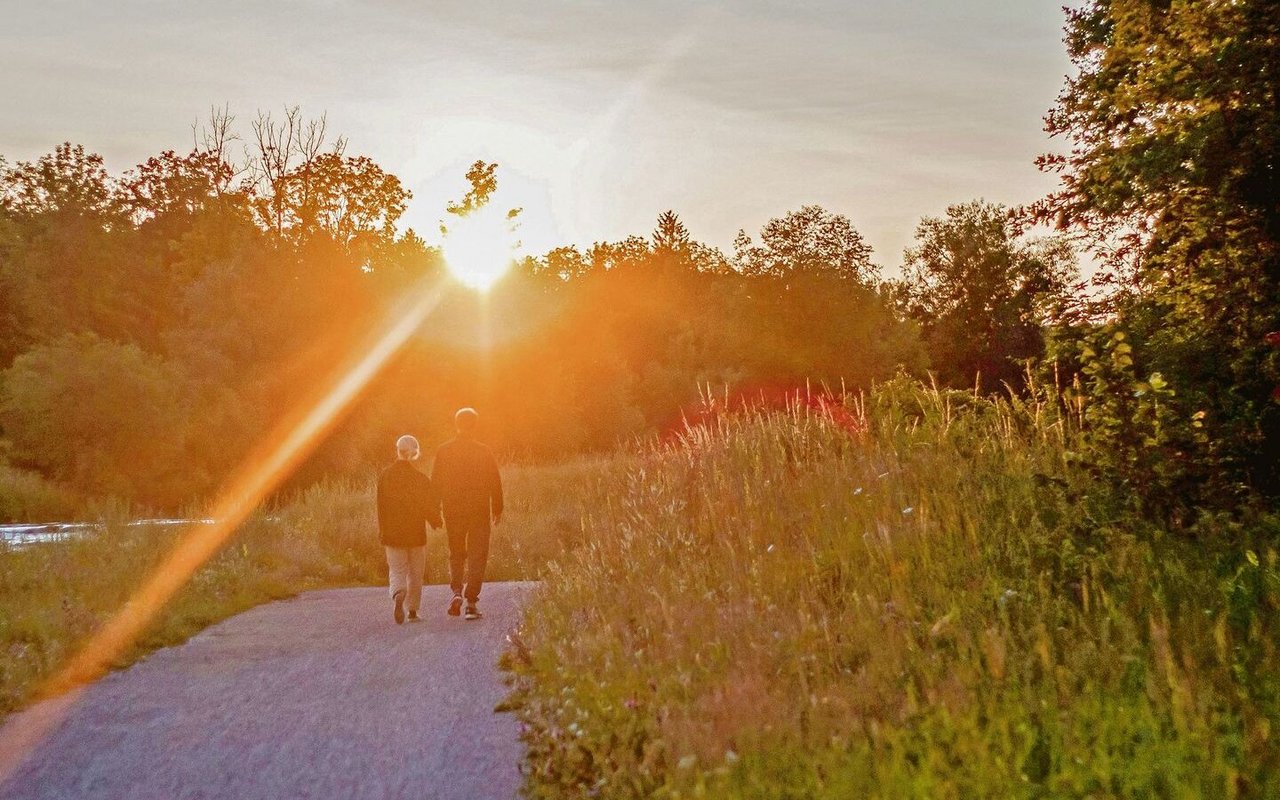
<point x="601" y="115"/>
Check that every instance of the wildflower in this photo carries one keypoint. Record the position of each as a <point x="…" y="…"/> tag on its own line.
<point x="908" y="509"/>
<point x="857" y="491"/>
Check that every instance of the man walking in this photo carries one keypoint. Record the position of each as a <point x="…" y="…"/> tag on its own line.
<point x="404" y="511"/>
<point x="468" y="490"/>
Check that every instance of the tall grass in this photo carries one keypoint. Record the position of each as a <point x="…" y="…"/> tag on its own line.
<point x="931" y="602"/>
<point x="53" y="596"/>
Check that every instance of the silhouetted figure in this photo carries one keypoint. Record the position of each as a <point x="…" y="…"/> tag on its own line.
<point x="405" y="508"/>
<point x="468" y="490"/>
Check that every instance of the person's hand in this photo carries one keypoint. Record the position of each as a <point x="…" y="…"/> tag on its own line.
<point x="497" y="517"/>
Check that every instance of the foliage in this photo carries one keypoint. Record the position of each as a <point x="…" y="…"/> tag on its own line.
<point x="807" y="240"/>
<point x="233" y="283"/>
<point x="981" y="296"/>
<point x="26" y="495"/>
<point x="931" y="602"/>
<point x="1172" y="177"/>
<point x="122" y="443"/>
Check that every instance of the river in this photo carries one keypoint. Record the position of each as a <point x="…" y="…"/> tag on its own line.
<point x="21" y="534"/>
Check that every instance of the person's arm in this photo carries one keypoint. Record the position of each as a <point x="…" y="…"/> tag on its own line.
<point x="495" y="490"/>
<point x="382" y="507"/>
<point x="435" y="500"/>
<point x="432" y="504"/>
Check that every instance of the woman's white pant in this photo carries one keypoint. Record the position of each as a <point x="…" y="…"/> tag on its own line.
<point x="405" y="566"/>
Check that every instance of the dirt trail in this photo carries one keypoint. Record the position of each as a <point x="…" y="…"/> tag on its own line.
<point x="321" y="696"/>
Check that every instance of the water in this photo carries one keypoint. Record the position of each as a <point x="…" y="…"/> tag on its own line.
<point x="26" y="533"/>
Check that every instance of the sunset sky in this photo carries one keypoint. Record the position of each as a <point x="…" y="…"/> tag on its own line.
<point x="601" y="114"/>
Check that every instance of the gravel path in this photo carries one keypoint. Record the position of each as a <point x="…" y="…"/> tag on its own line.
<point x="321" y="696"/>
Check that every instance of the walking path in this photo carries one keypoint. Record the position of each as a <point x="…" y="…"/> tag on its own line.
<point x="321" y="696"/>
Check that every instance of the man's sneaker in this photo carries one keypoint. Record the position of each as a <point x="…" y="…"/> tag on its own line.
<point x="455" y="605"/>
<point x="473" y="612"/>
<point x="399" y="611"/>
<point x="413" y="617"/>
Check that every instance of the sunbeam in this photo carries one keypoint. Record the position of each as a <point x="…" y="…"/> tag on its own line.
<point x="261" y="473"/>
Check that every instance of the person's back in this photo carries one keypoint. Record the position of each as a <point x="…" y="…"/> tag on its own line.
<point x="403" y="505"/>
<point x="465" y="479"/>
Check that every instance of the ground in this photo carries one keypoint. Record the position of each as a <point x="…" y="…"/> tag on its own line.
<point x="321" y="696"/>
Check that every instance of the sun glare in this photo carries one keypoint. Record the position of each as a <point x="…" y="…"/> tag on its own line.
<point x="479" y="247"/>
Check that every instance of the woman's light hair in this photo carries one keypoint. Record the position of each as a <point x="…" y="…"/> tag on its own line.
<point x="407" y="447"/>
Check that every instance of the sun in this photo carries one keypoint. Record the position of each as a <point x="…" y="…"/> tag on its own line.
<point x="479" y="248"/>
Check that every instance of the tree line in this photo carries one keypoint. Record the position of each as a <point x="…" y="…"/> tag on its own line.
<point x="154" y="323"/>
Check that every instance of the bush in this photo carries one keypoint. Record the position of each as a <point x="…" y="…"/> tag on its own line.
<point x="26" y="496"/>
<point x="102" y="416"/>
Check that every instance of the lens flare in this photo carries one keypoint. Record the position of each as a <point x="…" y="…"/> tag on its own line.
<point x="480" y="247"/>
<point x="297" y="434"/>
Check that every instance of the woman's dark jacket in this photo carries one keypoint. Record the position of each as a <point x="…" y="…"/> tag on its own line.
<point x="404" y="506"/>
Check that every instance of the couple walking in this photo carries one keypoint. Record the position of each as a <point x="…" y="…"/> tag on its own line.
<point x="464" y="493"/>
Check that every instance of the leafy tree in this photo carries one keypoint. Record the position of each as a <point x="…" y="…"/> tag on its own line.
<point x="1173" y="176"/>
<point x="68" y="267"/>
<point x="69" y="181"/>
<point x="483" y="178"/>
<point x="633" y="251"/>
<point x="104" y="417"/>
<point x="170" y="184"/>
<point x="981" y="296"/>
<point x="351" y="199"/>
<point x="809" y="240"/>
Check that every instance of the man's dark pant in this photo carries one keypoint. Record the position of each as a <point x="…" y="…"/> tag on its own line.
<point x="468" y="553"/>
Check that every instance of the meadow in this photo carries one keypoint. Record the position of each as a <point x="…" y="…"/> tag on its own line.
<point x="910" y="593"/>
<point x="53" y="595"/>
<point x="919" y="594"/>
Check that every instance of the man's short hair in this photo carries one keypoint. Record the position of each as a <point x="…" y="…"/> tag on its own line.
<point x="466" y="420"/>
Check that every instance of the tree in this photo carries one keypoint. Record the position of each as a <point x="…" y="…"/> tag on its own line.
<point x="68" y="265"/>
<point x="810" y="240"/>
<point x="1172" y="177"/>
<point x="172" y="184"/>
<point x="982" y="297"/>
<point x="279" y="161"/>
<point x="351" y="199"/>
<point x="68" y="181"/>
<point x="483" y="178"/>
<point x="670" y="237"/>
<point x="102" y="416"/>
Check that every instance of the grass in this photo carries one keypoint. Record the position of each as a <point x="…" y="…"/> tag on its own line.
<point x="923" y="595"/>
<point x="933" y="601"/>
<point x="53" y="596"/>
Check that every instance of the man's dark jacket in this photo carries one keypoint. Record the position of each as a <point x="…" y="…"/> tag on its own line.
<point x="404" y="506"/>
<point x="465" y="481"/>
